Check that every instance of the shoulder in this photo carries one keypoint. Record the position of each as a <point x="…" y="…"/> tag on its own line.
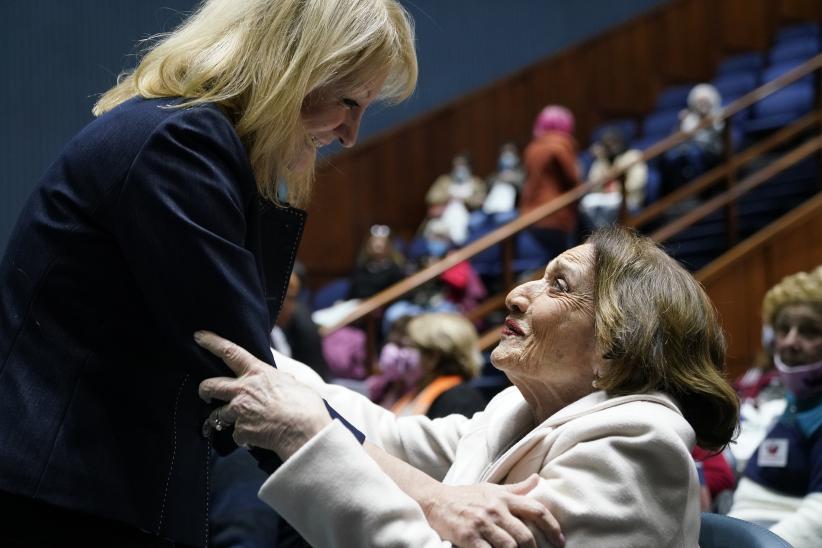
<point x="643" y="418"/>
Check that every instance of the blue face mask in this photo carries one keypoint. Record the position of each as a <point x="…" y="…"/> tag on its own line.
<point x="437" y="248"/>
<point x="507" y="161"/>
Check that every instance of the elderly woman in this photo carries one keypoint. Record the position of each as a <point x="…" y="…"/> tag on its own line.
<point x="163" y="215"/>
<point x="616" y="358"/>
<point x="782" y="487"/>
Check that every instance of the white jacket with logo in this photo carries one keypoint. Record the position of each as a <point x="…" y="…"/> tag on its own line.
<point x="615" y="471"/>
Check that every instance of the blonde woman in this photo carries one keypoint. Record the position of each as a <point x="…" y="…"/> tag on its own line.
<point x="162" y="216"/>
<point x="445" y="347"/>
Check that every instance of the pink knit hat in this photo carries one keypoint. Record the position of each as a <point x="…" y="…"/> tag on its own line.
<point x="554" y="118"/>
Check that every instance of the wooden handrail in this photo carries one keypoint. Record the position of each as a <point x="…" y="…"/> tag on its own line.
<point x="794" y="217"/>
<point x="392" y="293"/>
<point x="710" y="177"/>
<point x="492" y="335"/>
<point x="750" y="182"/>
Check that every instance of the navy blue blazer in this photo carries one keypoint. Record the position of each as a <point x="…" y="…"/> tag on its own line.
<point x="146" y="228"/>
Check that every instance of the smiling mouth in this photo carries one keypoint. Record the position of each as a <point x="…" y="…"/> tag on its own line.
<point x="512" y="328"/>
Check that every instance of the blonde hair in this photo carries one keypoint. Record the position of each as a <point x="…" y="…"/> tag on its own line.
<point x="451" y="336"/>
<point x="660" y="332"/>
<point x="259" y="59"/>
<point x="799" y="288"/>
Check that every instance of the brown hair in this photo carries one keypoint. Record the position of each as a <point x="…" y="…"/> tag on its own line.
<point x="660" y="332"/>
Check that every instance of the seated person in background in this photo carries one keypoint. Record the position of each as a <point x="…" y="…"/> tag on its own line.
<point x="398" y="366"/>
<point x="762" y="402"/>
<point x="782" y="486"/>
<point x="379" y="265"/>
<point x="506" y="183"/>
<point x="295" y="334"/>
<point x="616" y="357"/>
<point x="716" y="477"/>
<point x="601" y="207"/>
<point x="444" y="347"/>
<point x="453" y="197"/>
<point x="704" y="150"/>
<point x="551" y="166"/>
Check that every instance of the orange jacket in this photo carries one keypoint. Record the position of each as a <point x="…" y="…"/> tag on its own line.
<point x="551" y="164"/>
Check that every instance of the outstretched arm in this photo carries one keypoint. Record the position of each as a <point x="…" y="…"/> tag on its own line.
<point x="377" y="498"/>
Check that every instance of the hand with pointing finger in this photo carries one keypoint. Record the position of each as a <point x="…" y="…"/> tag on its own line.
<point x="268" y="408"/>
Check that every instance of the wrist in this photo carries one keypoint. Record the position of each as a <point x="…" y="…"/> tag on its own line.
<point x="293" y="440"/>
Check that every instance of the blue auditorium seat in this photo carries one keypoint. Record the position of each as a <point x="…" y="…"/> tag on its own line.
<point x="628" y="126"/>
<point x="736" y="83"/>
<point x="530" y="253"/>
<point x="746" y="62"/>
<point x="333" y="291"/>
<point x="802" y="49"/>
<point x="661" y="123"/>
<point x="784" y="106"/>
<point x="718" y="531"/>
<point x="798" y="31"/>
<point x="653" y="185"/>
<point x="675" y="97"/>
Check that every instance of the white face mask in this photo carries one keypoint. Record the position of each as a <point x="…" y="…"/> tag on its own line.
<point x="804" y="381"/>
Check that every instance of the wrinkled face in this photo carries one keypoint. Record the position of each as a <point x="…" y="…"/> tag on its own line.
<point x="330" y="114"/>
<point x="798" y="334"/>
<point x="549" y="333"/>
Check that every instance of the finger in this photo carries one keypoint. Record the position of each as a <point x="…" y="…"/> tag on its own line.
<point x="240" y="438"/>
<point x="497" y="536"/>
<point x="219" y="388"/>
<point x="520" y="532"/>
<point x="524" y="486"/>
<point x="238" y="359"/>
<point x="218" y="421"/>
<point x="534" y="512"/>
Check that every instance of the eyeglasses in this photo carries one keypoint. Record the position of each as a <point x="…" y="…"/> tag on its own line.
<point x="380" y="231"/>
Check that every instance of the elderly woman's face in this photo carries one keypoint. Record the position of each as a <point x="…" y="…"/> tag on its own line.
<point x="798" y="334"/>
<point x="549" y="333"/>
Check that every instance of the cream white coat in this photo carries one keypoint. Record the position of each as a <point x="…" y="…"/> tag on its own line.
<point x="615" y="471"/>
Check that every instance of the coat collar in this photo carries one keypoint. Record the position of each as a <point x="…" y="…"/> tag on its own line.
<point x="511" y="430"/>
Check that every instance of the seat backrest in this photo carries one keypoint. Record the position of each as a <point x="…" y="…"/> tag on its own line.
<point x="718" y="531"/>
<point x="752" y="61"/>
<point x="675" y="97"/>
<point x="333" y="291"/>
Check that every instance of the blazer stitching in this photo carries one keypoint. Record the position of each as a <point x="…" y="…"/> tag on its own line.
<point x="294" y="243"/>
<point x="208" y="488"/>
<point x="173" y="451"/>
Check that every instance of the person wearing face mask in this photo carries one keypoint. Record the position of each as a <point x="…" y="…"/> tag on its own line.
<point x="442" y="350"/>
<point x="782" y="486"/>
<point x="159" y="217"/>
<point x="616" y="359"/>
<point x="452" y="198"/>
<point x="506" y="183"/>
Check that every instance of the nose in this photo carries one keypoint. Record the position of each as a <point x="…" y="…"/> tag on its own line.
<point x="347" y="131"/>
<point x="517" y="299"/>
<point x="791" y="338"/>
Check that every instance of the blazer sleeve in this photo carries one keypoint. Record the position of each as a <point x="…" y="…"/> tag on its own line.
<point x="428" y="445"/>
<point x="347" y="500"/>
<point x="180" y="222"/>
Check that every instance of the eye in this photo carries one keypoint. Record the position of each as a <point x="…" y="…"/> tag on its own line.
<point x="560" y="284"/>
<point x="350" y="103"/>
